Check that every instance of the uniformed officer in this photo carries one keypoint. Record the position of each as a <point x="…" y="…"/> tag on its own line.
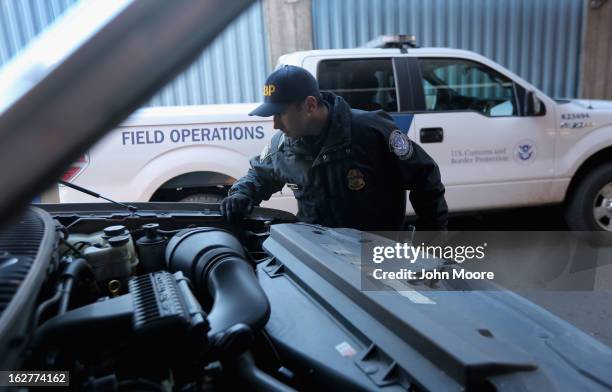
<point x="346" y="167"/>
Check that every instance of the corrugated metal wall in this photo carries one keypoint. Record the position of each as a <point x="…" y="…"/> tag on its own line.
<point x="597" y="53"/>
<point x="231" y="70"/>
<point x="22" y="20"/>
<point x="539" y="40"/>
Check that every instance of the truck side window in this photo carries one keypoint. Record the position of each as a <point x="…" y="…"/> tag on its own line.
<point x="464" y="85"/>
<point x="367" y="84"/>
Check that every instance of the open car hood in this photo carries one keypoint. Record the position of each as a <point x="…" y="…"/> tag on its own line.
<point x="85" y="75"/>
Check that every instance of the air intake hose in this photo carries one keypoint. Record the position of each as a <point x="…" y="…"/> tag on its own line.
<point x="213" y="259"/>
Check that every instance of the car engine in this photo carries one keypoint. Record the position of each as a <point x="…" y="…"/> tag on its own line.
<point x="134" y="306"/>
<point x="173" y="298"/>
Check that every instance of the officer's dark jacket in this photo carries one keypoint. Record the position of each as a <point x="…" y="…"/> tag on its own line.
<point x="356" y="180"/>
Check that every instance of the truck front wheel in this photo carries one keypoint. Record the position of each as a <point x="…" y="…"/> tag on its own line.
<point x="202" y="198"/>
<point x="590" y="205"/>
<point x="211" y="194"/>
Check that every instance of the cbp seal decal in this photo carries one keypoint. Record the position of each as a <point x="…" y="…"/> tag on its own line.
<point x="355" y="180"/>
<point x="525" y="152"/>
<point x="400" y="145"/>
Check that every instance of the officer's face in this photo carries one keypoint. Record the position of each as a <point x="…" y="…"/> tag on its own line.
<point x="296" y="120"/>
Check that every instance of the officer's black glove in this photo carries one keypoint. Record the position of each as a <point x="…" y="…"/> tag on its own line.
<point x="236" y="207"/>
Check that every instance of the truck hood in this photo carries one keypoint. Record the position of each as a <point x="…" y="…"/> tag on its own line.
<point x="593" y="104"/>
<point x="192" y="114"/>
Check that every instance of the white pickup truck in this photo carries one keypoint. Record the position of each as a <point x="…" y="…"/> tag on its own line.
<point x="498" y="140"/>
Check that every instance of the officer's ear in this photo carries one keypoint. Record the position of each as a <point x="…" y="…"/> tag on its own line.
<point x="311" y="104"/>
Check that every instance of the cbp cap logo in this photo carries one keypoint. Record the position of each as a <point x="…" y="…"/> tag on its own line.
<point x="355" y="180"/>
<point x="269" y="89"/>
<point x="400" y="145"/>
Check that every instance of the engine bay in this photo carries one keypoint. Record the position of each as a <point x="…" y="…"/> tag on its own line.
<point x="173" y="298"/>
<point x="107" y="308"/>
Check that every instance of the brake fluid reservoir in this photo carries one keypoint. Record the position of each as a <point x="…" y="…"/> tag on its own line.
<point x="91" y="239"/>
<point x="112" y="261"/>
<point x="120" y="230"/>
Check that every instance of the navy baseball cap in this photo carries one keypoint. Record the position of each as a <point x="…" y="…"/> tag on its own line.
<point x="286" y="85"/>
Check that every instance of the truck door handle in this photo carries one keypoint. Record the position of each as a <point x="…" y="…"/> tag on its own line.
<point x="431" y="135"/>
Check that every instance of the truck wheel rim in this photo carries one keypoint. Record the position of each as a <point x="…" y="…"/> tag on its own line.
<point x="602" y="207"/>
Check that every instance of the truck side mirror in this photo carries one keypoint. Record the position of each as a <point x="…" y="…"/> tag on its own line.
<point x="533" y="106"/>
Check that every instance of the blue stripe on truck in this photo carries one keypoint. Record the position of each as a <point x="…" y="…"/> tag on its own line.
<point x="403" y="121"/>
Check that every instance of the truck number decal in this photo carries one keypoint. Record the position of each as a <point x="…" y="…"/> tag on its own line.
<point x="574" y="116"/>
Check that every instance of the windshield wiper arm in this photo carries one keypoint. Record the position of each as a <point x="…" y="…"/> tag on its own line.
<point x="97" y="195"/>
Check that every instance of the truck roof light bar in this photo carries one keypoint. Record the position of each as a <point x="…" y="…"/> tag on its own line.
<point x="401" y="41"/>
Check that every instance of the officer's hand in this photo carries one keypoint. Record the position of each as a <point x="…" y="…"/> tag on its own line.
<point x="236" y="207"/>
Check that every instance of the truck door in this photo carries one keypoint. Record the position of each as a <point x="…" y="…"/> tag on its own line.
<point x="469" y="118"/>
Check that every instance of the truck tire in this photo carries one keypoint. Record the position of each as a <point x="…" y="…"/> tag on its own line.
<point x="202" y="198"/>
<point x="590" y="205"/>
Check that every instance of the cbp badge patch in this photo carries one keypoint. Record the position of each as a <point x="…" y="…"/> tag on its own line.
<point x="400" y="144"/>
<point x="355" y="180"/>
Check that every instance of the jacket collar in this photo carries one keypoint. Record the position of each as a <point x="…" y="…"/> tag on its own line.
<point x="339" y="133"/>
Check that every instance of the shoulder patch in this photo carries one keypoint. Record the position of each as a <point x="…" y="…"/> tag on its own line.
<point x="281" y="141"/>
<point x="272" y="147"/>
<point x="265" y="152"/>
<point x="400" y="145"/>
